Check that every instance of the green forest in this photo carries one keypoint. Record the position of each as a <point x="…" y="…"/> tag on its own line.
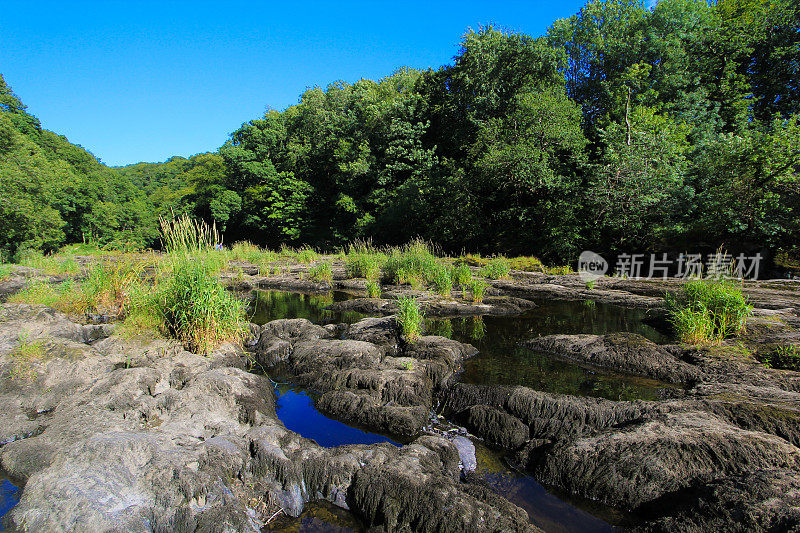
<point x="622" y="129"/>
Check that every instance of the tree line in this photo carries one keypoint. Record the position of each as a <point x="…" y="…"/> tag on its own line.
<point x="623" y="129"/>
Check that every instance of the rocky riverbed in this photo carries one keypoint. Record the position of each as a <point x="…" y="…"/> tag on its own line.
<point x="122" y="432"/>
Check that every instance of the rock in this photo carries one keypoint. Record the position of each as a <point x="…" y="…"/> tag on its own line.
<point x="650" y="459"/>
<point x="621" y="352"/>
<point x="466" y="453"/>
<point x="766" y="500"/>
<point x="379" y="331"/>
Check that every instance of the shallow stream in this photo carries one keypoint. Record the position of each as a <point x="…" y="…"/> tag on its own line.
<point x="9" y="496"/>
<point x="501" y="361"/>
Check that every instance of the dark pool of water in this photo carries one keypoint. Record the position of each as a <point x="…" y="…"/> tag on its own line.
<point x="549" y="511"/>
<point x="502" y="361"/>
<point x="9" y="496"/>
<point x="318" y="517"/>
<point x="297" y="412"/>
<point x="273" y="305"/>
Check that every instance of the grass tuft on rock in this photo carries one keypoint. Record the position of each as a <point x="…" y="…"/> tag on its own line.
<point x="477" y="287"/>
<point x="496" y="268"/>
<point x="321" y="272"/>
<point x="409" y="318"/>
<point x="708" y="311"/>
<point x="195" y="307"/>
<point x="373" y="289"/>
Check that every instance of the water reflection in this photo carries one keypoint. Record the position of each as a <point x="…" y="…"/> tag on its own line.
<point x="9" y="496"/>
<point x="545" y="509"/>
<point x="275" y="305"/>
<point x="502" y="361"/>
<point x="297" y="412"/>
<point x="318" y="517"/>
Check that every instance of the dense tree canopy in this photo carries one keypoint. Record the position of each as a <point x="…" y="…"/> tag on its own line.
<point x="623" y="129"/>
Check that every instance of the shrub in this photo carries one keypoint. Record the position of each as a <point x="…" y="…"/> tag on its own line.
<point x="462" y="275"/>
<point x="196" y="308"/>
<point x="373" y="289"/>
<point x="478" y="289"/>
<point x="409" y="318"/>
<point x="321" y="272"/>
<point x="707" y="310"/>
<point x="441" y="279"/>
<point x="496" y="268"/>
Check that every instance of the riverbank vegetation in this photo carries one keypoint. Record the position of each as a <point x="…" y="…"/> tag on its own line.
<point x="622" y="129"/>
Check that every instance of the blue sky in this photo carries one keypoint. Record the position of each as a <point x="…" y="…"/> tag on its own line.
<point x="142" y="81"/>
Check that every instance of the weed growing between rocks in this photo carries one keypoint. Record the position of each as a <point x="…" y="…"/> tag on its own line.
<point x="196" y="308"/>
<point x="785" y="357"/>
<point x="415" y="261"/>
<point x="477" y="287"/>
<point x="321" y="272"/>
<point x="441" y="280"/>
<point x="462" y="275"/>
<point x="373" y="289"/>
<point x="558" y="270"/>
<point x="708" y="311"/>
<point x="25" y="357"/>
<point x="409" y="318"/>
<point x="496" y="268"/>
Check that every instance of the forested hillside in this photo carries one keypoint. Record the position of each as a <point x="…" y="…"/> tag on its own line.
<point x="622" y="129"/>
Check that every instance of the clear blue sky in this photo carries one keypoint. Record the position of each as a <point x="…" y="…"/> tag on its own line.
<point x="141" y="81"/>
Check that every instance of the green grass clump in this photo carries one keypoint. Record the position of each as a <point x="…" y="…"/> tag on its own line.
<point x="558" y="270"/>
<point x="590" y="285"/>
<point x="246" y="251"/>
<point x="471" y="260"/>
<point x="373" y="289"/>
<point x="496" y="268"/>
<point x="5" y="272"/>
<point x="409" y="318"/>
<point x="783" y="357"/>
<point x="708" y="311"/>
<point x="321" y="272"/>
<point x="362" y="264"/>
<point x="415" y="260"/>
<point x="24" y="358"/>
<point x="195" y="307"/>
<point x="462" y="275"/>
<point x="441" y="280"/>
<point x="306" y="255"/>
<point x="49" y="264"/>
<point x="526" y="264"/>
<point x="477" y="287"/>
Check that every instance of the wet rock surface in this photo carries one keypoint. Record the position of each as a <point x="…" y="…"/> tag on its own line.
<point x="370" y="376"/>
